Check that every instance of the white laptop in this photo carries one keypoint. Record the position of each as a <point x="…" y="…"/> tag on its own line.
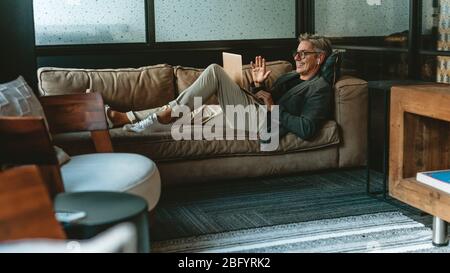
<point x="232" y="64"/>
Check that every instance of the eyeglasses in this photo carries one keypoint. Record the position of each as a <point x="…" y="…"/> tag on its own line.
<point x="303" y="54"/>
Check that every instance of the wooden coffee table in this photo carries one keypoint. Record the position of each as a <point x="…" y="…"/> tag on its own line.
<point x="420" y="141"/>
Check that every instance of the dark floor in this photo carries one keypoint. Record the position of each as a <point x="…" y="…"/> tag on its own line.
<point x="192" y="210"/>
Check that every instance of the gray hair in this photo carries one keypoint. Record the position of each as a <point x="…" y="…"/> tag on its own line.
<point x="320" y="43"/>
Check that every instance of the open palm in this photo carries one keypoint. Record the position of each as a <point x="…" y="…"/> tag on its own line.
<point x="259" y="72"/>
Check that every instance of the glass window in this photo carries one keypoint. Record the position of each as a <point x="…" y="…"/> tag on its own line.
<point x="63" y="22"/>
<point x="364" y="22"/>
<point x="443" y="69"/>
<point x="436" y="69"/>
<point x="371" y="65"/>
<point x="436" y="25"/>
<point x="209" y="20"/>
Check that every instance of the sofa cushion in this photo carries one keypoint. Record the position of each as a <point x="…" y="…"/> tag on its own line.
<point x="278" y="68"/>
<point x="351" y="103"/>
<point x="61" y="81"/>
<point x="162" y="147"/>
<point x="123" y="89"/>
<point x="187" y="75"/>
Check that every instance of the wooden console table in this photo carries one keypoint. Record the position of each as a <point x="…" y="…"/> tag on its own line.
<point x="420" y="141"/>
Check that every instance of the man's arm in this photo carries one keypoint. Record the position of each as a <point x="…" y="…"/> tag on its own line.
<point x="315" y="113"/>
<point x="255" y="89"/>
<point x="266" y="97"/>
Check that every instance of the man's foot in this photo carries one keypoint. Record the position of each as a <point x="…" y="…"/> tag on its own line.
<point x="108" y="116"/>
<point x="115" y="119"/>
<point x="165" y="115"/>
<point x="151" y="123"/>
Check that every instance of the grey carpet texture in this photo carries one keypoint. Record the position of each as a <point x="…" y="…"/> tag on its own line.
<point x="194" y="218"/>
<point x="388" y="232"/>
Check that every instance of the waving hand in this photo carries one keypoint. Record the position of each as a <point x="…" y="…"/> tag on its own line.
<point x="259" y="72"/>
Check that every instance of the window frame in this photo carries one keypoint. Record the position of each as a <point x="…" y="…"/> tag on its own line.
<point x="148" y="33"/>
<point x="421" y="52"/>
<point x="152" y="46"/>
<point x="414" y="50"/>
<point x="305" y="20"/>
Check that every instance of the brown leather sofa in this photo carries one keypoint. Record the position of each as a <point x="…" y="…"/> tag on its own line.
<point x="340" y="144"/>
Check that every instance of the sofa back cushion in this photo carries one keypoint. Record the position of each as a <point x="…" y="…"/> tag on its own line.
<point x="278" y="68"/>
<point x="186" y="76"/>
<point x="123" y="89"/>
<point x="136" y="89"/>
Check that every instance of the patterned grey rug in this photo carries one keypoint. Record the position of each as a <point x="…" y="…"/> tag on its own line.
<point x="224" y="216"/>
<point x="221" y="206"/>
<point x="390" y="232"/>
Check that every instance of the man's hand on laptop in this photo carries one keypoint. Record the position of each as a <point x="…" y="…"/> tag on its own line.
<point x="267" y="98"/>
<point x="259" y="73"/>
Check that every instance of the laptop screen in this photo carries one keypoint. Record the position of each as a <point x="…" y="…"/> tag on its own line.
<point x="232" y="64"/>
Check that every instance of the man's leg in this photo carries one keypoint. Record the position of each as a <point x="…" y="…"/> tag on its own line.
<point x="213" y="81"/>
<point x="119" y="119"/>
<point x="135" y="116"/>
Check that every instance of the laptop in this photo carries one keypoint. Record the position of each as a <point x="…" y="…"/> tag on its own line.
<point x="232" y="64"/>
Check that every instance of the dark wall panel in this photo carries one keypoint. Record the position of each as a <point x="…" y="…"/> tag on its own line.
<point x="17" y="56"/>
<point x="372" y="66"/>
<point x="193" y="58"/>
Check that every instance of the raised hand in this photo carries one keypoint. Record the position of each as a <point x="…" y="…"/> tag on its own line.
<point x="259" y="73"/>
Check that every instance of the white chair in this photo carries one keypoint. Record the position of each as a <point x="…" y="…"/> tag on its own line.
<point x="119" y="239"/>
<point x="28" y="142"/>
<point x="104" y="170"/>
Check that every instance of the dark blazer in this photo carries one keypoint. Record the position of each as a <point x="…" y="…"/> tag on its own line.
<point x="304" y="105"/>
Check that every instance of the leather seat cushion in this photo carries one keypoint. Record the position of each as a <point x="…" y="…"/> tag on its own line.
<point x="162" y="147"/>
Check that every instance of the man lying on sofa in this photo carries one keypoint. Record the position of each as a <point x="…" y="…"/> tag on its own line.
<point x="304" y="96"/>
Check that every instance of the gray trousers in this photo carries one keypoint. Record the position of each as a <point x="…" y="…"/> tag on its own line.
<point x="213" y="81"/>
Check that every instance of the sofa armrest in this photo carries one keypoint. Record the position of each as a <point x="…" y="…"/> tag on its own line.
<point x="351" y="110"/>
<point x="79" y="113"/>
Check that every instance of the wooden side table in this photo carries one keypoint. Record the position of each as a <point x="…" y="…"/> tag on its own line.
<point x="420" y="141"/>
<point x="378" y="130"/>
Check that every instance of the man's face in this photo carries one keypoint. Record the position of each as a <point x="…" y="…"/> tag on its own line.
<point x="308" y="64"/>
